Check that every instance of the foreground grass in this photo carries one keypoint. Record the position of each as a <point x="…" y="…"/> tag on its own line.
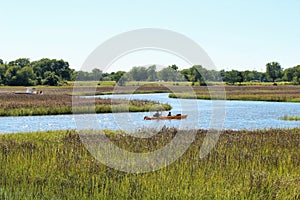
<point x="262" y="164"/>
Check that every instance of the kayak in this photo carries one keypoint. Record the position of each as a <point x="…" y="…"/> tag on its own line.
<point x="166" y="117"/>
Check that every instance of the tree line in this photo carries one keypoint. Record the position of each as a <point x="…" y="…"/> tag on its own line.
<point x="22" y="72"/>
<point x="196" y="74"/>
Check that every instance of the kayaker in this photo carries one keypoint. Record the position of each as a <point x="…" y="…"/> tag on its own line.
<point x="169" y="114"/>
<point x="156" y="114"/>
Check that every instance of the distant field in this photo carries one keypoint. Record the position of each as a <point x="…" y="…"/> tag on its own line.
<point x="92" y="83"/>
<point x="178" y="83"/>
<point x="262" y="164"/>
<point x="250" y="93"/>
<point x="129" y="83"/>
<point x="149" y="83"/>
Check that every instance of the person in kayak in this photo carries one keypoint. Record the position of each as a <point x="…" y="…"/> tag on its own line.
<point x="156" y="114"/>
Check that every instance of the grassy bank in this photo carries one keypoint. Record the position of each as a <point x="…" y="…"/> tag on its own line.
<point x="282" y="93"/>
<point x="263" y="164"/>
<point x="54" y="104"/>
<point x="58" y="100"/>
<point x="291" y="118"/>
<point x="249" y="93"/>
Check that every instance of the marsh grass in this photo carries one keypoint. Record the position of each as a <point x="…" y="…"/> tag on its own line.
<point x="262" y="164"/>
<point x="264" y="92"/>
<point x="54" y="104"/>
<point x="290" y="118"/>
<point x="249" y="93"/>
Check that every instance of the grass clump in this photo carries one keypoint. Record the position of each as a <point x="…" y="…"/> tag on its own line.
<point x="290" y="118"/>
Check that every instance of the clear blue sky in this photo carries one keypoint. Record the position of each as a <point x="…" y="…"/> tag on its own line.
<point x="236" y="34"/>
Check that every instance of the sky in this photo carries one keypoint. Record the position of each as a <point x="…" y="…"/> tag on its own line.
<point x="236" y="34"/>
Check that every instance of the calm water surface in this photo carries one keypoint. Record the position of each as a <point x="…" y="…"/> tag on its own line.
<point x="239" y="115"/>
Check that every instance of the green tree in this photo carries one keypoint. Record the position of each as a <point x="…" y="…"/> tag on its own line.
<point x="257" y="75"/>
<point x="186" y="73"/>
<point x="223" y="75"/>
<point x="247" y="75"/>
<point x="296" y="78"/>
<point x="122" y="80"/>
<point x="169" y="74"/>
<point x="17" y="76"/>
<point x="1" y="62"/>
<point x="11" y="75"/>
<point x="62" y="69"/>
<point x="80" y="76"/>
<point x="139" y="73"/>
<point x="21" y="62"/>
<point x="292" y="74"/>
<point x="59" y="67"/>
<point x="25" y="77"/>
<point x="51" y="79"/>
<point x="174" y="67"/>
<point x="273" y="70"/>
<point x="151" y="73"/>
<point x="198" y="74"/>
<point x="233" y="76"/>
<point x="3" y="69"/>
<point x="96" y="74"/>
<point x="214" y="75"/>
<point x="288" y="74"/>
<point x="116" y="76"/>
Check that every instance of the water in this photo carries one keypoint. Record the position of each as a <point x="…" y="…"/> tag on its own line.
<point x="239" y="115"/>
